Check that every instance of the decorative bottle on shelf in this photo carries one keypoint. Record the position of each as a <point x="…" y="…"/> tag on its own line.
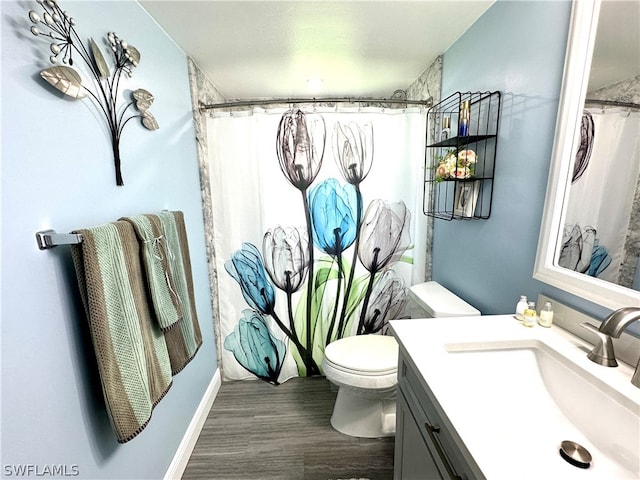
<point x="546" y="315"/>
<point x="463" y="124"/>
<point x="529" y="319"/>
<point x="521" y="306"/>
<point x="446" y="128"/>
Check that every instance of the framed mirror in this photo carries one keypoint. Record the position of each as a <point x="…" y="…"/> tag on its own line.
<point x="563" y="239"/>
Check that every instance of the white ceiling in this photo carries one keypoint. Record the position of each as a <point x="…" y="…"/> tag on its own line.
<point x="267" y="49"/>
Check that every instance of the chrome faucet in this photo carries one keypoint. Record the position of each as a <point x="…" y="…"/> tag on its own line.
<point x="612" y="327"/>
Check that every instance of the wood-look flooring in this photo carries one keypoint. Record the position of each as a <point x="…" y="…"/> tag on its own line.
<point x="257" y="431"/>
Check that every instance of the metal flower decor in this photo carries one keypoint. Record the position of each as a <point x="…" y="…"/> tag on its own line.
<point x="59" y="27"/>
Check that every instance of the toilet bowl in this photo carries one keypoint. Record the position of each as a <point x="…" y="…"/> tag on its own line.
<point x="365" y="367"/>
<point x="365" y="370"/>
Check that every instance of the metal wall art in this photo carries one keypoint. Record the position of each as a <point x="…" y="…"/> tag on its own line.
<point x="58" y="27"/>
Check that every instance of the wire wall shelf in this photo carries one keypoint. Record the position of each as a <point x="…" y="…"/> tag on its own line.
<point x="460" y="156"/>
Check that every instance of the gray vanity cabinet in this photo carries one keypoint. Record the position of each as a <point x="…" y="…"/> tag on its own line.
<point x="427" y="447"/>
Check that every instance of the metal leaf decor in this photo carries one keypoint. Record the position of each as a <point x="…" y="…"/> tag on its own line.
<point x="103" y="75"/>
<point x="101" y="64"/>
<point x="143" y="99"/>
<point x="65" y="79"/>
<point x="149" y="121"/>
<point x="132" y="54"/>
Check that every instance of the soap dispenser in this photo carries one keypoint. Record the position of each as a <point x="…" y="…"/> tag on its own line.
<point x="529" y="319"/>
<point x="521" y="306"/>
<point x="546" y="315"/>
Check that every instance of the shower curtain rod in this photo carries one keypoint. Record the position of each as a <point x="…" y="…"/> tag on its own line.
<point x="250" y="103"/>
<point x="612" y="103"/>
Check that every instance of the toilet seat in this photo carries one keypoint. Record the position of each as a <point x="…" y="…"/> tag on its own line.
<point x="368" y="355"/>
<point x="366" y="363"/>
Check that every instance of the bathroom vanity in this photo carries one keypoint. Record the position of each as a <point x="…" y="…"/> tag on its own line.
<point x="427" y="445"/>
<point x="485" y="397"/>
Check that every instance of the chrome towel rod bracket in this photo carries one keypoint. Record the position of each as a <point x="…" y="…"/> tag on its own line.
<point x="49" y="238"/>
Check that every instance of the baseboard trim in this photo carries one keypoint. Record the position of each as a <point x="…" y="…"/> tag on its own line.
<point x="181" y="458"/>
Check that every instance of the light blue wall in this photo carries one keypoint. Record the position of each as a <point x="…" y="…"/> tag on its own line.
<point x="518" y="48"/>
<point x="57" y="172"/>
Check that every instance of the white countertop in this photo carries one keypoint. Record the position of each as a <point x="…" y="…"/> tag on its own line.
<point x="509" y="434"/>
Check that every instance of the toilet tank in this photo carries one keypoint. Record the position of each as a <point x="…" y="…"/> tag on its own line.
<point x="430" y="299"/>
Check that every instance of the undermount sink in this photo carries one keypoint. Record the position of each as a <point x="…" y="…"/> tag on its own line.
<point x="553" y="399"/>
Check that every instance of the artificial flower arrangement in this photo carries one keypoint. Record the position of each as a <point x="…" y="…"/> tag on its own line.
<point x="456" y="166"/>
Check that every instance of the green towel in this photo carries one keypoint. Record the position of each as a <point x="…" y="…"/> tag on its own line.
<point x="130" y="348"/>
<point x="164" y="298"/>
<point x="182" y="342"/>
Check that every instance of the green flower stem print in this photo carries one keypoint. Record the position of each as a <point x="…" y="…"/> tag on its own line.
<point x="330" y="295"/>
<point x="334" y="227"/>
<point x="353" y="151"/>
<point x="300" y="149"/>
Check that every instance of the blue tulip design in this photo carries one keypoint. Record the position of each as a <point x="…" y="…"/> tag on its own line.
<point x="333" y="214"/>
<point x="255" y="347"/>
<point x="600" y="260"/>
<point x="247" y="268"/>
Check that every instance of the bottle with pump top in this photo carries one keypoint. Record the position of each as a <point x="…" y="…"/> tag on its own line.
<point x="530" y="315"/>
<point x="546" y="315"/>
<point x="521" y="306"/>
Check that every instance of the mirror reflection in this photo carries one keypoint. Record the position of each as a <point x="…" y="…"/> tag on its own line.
<point x="601" y="234"/>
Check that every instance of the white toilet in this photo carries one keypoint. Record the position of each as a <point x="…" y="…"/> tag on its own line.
<point x="364" y="367"/>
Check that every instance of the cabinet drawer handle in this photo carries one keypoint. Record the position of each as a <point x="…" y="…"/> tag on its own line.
<point x="432" y="430"/>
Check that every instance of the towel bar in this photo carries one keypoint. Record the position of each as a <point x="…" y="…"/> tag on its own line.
<point x="49" y="238"/>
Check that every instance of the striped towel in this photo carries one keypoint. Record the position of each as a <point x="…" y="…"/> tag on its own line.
<point x="184" y="341"/>
<point x="130" y="348"/>
<point x="164" y="298"/>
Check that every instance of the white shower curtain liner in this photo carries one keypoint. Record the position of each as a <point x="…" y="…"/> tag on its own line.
<point x="250" y="195"/>
<point x="602" y="197"/>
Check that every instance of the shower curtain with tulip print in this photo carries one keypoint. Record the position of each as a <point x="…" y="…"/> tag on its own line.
<point x="318" y="230"/>
<point x="605" y="176"/>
